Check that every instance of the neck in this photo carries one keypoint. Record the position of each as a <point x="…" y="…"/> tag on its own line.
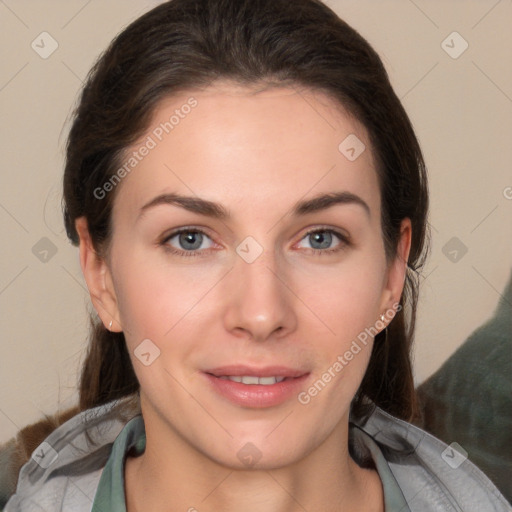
<point x="171" y="475"/>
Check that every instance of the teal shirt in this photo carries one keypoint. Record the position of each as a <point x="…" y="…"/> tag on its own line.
<point x="110" y="493"/>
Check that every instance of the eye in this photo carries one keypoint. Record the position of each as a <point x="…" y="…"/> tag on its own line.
<point x="190" y="239"/>
<point x="321" y="240"/>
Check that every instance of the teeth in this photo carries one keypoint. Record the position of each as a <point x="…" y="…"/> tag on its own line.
<point x="251" y="379"/>
<point x="267" y="380"/>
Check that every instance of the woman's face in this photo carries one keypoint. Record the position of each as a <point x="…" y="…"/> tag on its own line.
<point x="253" y="294"/>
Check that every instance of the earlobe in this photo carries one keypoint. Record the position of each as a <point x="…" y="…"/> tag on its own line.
<point x="97" y="277"/>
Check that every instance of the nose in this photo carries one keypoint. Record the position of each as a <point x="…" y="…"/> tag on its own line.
<point x="260" y="302"/>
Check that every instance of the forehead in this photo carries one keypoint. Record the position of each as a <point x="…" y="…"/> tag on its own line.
<point x="229" y="143"/>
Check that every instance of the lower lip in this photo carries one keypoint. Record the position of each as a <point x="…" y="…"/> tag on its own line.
<point x="257" y="395"/>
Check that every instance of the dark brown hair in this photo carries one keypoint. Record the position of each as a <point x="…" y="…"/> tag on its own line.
<point x="186" y="44"/>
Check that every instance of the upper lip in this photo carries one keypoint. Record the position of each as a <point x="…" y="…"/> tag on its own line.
<point x="267" y="371"/>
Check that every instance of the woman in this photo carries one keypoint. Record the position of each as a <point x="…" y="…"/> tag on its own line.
<point x="250" y="202"/>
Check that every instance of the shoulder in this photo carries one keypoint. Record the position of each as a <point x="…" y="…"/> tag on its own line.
<point x="64" y="470"/>
<point x="431" y="475"/>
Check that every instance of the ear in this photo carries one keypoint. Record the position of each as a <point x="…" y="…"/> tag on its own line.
<point x="397" y="269"/>
<point x="98" y="278"/>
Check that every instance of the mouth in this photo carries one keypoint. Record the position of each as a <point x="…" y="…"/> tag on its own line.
<point x="256" y="387"/>
<point x="283" y="372"/>
<point x="252" y="379"/>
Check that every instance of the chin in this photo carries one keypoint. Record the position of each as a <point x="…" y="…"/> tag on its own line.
<point x="259" y="452"/>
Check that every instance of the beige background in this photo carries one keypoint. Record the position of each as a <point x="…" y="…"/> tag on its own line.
<point x="461" y="109"/>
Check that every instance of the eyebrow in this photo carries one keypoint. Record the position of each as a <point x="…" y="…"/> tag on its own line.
<point x="217" y="211"/>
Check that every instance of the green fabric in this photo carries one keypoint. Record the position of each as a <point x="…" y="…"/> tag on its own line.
<point x="469" y="399"/>
<point x="393" y="498"/>
<point x="110" y="493"/>
<point x="132" y="439"/>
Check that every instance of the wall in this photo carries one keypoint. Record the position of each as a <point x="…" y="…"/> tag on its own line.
<point x="461" y="109"/>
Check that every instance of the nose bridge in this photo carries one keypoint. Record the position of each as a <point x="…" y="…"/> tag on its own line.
<point x="260" y="303"/>
<point x="257" y="268"/>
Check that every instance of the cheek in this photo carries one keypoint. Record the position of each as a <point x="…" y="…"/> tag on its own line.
<point x="155" y="297"/>
<point x="347" y="301"/>
<point x="345" y="297"/>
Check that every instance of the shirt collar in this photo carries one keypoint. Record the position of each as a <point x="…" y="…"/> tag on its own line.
<point x="110" y="493"/>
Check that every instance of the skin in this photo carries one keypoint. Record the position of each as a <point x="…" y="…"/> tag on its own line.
<point x="256" y="153"/>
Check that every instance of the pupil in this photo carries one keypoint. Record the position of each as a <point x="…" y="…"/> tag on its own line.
<point x="188" y="238"/>
<point x="321" y="236"/>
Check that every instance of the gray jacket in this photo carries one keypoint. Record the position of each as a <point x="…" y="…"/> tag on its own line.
<point x="419" y="472"/>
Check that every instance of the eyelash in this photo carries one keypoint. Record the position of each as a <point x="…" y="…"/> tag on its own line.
<point x="344" y="242"/>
